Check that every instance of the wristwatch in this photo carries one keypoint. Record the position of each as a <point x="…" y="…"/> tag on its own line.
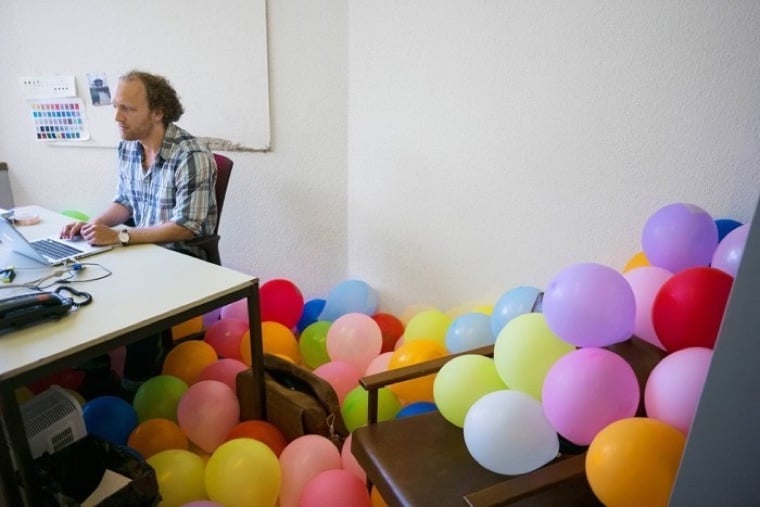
<point x="124" y="237"/>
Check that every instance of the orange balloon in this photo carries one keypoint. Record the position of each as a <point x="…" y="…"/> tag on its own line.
<point x="634" y="461"/>
<point x="187" y="328"/>
<point x="262" y="431"/>
<point x="376" y="499"/>
<point x="414" y="352"/>
<point x="156" y="435"/>
<point x="637" y="261"/>
<point x="276" y="339"/>
<point x="188" y="359"/>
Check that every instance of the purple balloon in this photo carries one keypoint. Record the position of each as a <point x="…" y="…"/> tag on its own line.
<point x="679" y="236"/>
<point x="590" y="305"/>
<point x="728" y="255"/>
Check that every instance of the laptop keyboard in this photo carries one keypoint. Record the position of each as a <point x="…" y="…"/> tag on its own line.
<point x="54" y="249"/>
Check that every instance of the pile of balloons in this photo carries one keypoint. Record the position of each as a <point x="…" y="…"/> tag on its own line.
<point x="550" y="376"/>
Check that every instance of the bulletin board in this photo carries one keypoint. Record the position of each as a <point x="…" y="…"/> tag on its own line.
<point x="213" y="52"/>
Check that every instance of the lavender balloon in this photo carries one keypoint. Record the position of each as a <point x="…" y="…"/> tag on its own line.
<point x="590" y="305"/>
<point x="679" y="236"/>
<point x="728" y="255"/>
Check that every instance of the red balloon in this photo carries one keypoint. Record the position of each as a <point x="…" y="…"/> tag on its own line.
<point x="689" y="307"/>
<point x="68" y="378"/>
<point x="391" y="328"/>
<point x="281" y="301"/>
<point x="262" y="431"/>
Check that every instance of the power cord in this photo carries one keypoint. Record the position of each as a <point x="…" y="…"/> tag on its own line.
<point x="67" y="274"/>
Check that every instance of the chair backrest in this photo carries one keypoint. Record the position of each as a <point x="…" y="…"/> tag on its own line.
<point x="223" y="171"/>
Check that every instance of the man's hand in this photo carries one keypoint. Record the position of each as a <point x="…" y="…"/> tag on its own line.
<point x="99" y="234"/>
<point x="71" y="230"/>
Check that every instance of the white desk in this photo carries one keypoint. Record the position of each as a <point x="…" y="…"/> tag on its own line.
<point x="151" y="289"/>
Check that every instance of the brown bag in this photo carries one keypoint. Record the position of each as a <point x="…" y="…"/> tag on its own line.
<point x="298" y="401"/>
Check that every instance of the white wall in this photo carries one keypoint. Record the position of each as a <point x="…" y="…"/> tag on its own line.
<point x="492" y="144"/>
<point x="445" y="151"/>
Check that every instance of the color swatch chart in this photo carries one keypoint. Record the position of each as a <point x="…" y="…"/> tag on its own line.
<point x="59" y="119"/>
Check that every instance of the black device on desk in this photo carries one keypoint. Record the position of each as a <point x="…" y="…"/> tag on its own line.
<point x="28" y="308"/>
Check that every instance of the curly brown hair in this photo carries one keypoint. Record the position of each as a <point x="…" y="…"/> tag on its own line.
<point x="161" y="94"/>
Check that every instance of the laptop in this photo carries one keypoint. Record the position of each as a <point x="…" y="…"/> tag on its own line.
<point x="50" y="250"/>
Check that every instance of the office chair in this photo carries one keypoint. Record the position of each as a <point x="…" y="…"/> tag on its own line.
<point x="210" y="243"/>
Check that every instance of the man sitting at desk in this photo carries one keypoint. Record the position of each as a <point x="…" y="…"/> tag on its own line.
<point x="165" y="188"/>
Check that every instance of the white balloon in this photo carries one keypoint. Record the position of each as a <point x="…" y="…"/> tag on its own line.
<point x="507" y="433"/>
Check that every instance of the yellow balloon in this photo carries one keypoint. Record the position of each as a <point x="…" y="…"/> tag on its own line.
<point x="180" y="475"/>
<point x="414" y="352"/>
<point x="634" y="461"/>
<point x="187" y="328"/>
<point x="524" y="352"/>
<point x="637" y="261"/>
<point x="23" y="394"/>
<point x="243" y="472"/>
<point x="428" y="325"/>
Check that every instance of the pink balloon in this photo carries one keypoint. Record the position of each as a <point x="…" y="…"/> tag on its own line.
<point x="336" y="488"/>
<point x="586" y="390"/>
<point x="225" y="371"/>
<point x="207" y="412"/>
<point x="118" y="356"/>
<point x="342" y="376"/>
<point x="675" y="385"/>
<point x="379" y="364"/>
<point x="728" y="255"/>
<point x="237" y="310"/>
<point x="646" y="282"/>
<point x="225" y="336"/>
<point x="301" y="460"/>
<point x="349" y="461"/>
<point x="354" y="338"/>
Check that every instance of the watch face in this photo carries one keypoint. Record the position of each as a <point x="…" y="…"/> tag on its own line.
<point x="124" y="237"/>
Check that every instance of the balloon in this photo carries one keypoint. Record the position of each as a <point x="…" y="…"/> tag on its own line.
<point x="391" y="329"/>
<point x="348" y="461"/>
<point x="76" y="215"/>
<point x="512" y="303"/>
<point x="354" y="338"/>
<point x="469" y="331"/>
<point x="418" y="407"/>
<point x="342" y="376"/>
<point x="236" y="311"/>
<point x="180" y="475"/>
<point x="225" y="371"/>
<point x="524" y="352"/>
<point x="311" y="311"/>
<point x="726" y="225"/>
<point x="376" y="498"/>
<point x="187" y="328"/>
<point x="689" y="307"/>
<point x="379" y="364"/>
<point x="301" y="460"/>
<point x="336" y="488"/>
<point x="313" y="343"/>
<point x="281" y="301"/>
<point x="69" y="378"/>
<point x="263" y="431"/>
<point x="638" y="260"/>
<point x="207" y="412"/>
<point x="226" y="335"/>
<point x="350" y="296"/>
<point x="158" y="397"/>
<point x="188" y="359"/>
<point x="109" y="418"/>
<point x="202" y="503"/>
<point x="428" y="325"/>
<point x="461" y="382"/>
<point x="679" y="236"/>
<point x="156" y="435"/>
<point x="276" y="339"/>
<point x="675" y="385"/>
<point x="211" y="317"/>
<point x="415" y="352"/>
<point x="586" y="390"/>
<point x="354" y="407"/>
<point x="507" y="433"/>
<point x="590" y="305"/>
<point x="634" y="462"/>
<point x="23" y="394"/>
<point x="646" y="283"/>
<point x="243" y="472"/>
<point x="730" y="251"/>
<point x="118" y="356"/>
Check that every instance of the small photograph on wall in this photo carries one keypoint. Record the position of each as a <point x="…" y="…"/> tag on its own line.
<point x="100" y="93"/>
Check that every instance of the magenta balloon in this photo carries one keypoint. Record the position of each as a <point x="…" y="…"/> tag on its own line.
<point x="590" y="305"/>
<point x="679" y="236"/>
<point x="586" y="390"/>
<point x="728" y="255"/>
<point x="646" y="282"/>
<point x="675" y="385"/>
<point x="225" y="335"/>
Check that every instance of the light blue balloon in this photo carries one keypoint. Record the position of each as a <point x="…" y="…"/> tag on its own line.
<point x="469" y="331"/>
<point x="350" y="296"/>
<point x="514" y="302"/>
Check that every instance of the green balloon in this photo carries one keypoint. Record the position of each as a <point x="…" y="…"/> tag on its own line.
<point x="354" y="407"/>
<point x="76" y="215"/>
<point x="159" y="397"/>
<point x="313" y="344"/>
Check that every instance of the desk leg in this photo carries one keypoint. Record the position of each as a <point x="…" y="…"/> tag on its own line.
<point x="13" y="422"/>
<point x="257" y="351"/>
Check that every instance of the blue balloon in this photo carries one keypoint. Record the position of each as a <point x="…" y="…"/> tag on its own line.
<point x="514" y="302"/>
<point x="726" y="225"/>
<point x="469" y="331"/>
<point x="311" y="311"/>
<point x="350" y="296"/>
<point x="110" y="418"/>
<point x="418" y="407"/>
